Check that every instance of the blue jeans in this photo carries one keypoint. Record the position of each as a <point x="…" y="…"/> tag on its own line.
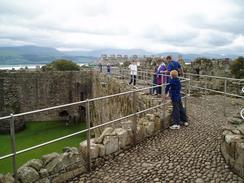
<point x="179" y="113"/>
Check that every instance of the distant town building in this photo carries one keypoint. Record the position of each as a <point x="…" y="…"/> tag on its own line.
<point x="104" y="56"/>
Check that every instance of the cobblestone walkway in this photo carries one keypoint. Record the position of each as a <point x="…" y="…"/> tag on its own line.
<point x="191" y="154"/>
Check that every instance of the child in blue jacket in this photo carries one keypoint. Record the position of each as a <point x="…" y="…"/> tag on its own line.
<point x="179" y="113"/>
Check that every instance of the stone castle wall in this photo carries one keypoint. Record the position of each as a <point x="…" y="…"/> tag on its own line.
<point x="27" y="91"/>
<point x="60" y="167"/>
<point x="115" y="107"/>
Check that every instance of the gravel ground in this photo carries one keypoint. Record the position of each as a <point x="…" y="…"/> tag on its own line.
<point x="191" y="154"/>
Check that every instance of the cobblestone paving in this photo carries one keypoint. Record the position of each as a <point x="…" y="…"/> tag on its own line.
<point x="191" y="154"/>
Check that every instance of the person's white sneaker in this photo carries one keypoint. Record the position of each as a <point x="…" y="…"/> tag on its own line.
<point x="174" y="127"/>
<point x="186" y="124"/>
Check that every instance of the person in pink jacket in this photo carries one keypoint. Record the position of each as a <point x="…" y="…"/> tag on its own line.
<point x="161" y="79"/>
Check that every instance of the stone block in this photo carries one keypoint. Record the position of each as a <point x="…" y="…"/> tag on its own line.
<point x="79" y="171"/>
<point x="111" y="144"/>
<point x="94" y="149"/>
<point x="141" y="132"/>
<point x="105" y="132"/>
<point x="157" y="123"/>
<point x="127" y="124"/>
<point x="122" y="135"/>
<point x="27" y="174"/>
<point x="6" y="178"/>
<point x="44" y="180"/>
<point x="240" y="153"/>
<point x="149" y="128"/>
<point x="43" y="173"/>
<point x="150" y="117"/>
<point x="101" y="150"/>
<point x="37" y="164"/>
<point x="63" y="177"/>
<point x="71" y="150"/>
<point x="69" y="159"/>
<point x="49" y="157"/>
<point x="55" y="166"/>
<point x="232" y="138"/>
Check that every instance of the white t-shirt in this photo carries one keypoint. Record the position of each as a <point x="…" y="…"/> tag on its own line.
<point x="133" y="69"/>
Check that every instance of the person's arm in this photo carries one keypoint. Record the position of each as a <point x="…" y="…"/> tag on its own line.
<point x="167" y="88"/>
<point x="169" y="68"/>
<point x="180" y="69"/>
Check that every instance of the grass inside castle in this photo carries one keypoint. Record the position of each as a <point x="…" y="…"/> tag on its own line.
<point x="36" y="133"/>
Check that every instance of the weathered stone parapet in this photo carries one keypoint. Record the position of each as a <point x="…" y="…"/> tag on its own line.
<point x="27" y="91"/>
<point x="232" y="146"/>
<point x="53" y="167"/>
<point x="60" y="167"/>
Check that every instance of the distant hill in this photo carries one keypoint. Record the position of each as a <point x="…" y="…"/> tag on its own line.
<point x="36" y="55"/>
<point x="43" y="55"/>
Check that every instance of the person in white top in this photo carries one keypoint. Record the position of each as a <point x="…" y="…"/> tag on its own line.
<point x="133" y="72"/>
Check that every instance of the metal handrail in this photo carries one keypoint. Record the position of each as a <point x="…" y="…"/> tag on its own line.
<point x="216" y="77"/>
<point x="80" y="102"/>
<point x="13" y="154"/>
<point x="82" y="131"/>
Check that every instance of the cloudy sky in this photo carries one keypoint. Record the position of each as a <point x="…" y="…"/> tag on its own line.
<point x="189" y="26"/>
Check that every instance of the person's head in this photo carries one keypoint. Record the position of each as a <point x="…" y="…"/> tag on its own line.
<point x="133" y="62"/>
<point x="174" y="74"/>
<point x="169" y="58"/>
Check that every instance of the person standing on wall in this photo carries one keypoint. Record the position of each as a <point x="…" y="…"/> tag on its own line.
<point x="108" y="68"/>
<point x="162" y="69"/>
<point x="133" y="72"/>
<point x="100" y="67"/>
<point x="154" y="91"/>
<point x="173" y="90"/>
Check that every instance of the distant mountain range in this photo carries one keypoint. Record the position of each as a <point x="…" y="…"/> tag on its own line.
<point x="37" y="55"/>
<point x="43" y="55"/>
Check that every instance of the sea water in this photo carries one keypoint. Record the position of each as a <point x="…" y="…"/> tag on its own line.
<point x="23" y="66"/>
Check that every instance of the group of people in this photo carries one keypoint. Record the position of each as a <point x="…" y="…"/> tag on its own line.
<point x="166" y="72"/>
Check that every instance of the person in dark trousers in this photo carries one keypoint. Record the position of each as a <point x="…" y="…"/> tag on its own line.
<point x="161" y="79"/>
<point x="108" y="68"/>
<point x="179" y="113"/>
<point x="154" y="90"/>
<point x="100" y="67"/>
<point x="133" y="72"/>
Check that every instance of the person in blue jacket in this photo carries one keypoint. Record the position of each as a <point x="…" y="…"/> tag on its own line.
<point x="173" y="65"/>
<point x="173" y="89"/>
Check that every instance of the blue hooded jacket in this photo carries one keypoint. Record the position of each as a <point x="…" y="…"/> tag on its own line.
<point x="174" y="87"/>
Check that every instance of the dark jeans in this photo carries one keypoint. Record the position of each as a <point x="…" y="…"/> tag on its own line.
<point x="153" y="90"/>
<point x="131" y="79"/>
<point x="179" y="113"/>
<point x="159" y="90"/>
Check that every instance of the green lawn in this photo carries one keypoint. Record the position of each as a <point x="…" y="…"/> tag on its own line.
<point x="35" y="133"/>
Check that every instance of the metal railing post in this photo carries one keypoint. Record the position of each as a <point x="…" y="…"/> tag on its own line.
<point x="88" y="136"/>
<point x="225" y="88"/>
<point x="162" y="86"/>
<point x="205" y="85"/>
<point x="146" y="77"/>
<point x="189" y="84"/>
<point x="186" y="92"/>
<point x="134" y="123"/>
<point x="164" y="112"/>
<point x="13" y="146"/>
